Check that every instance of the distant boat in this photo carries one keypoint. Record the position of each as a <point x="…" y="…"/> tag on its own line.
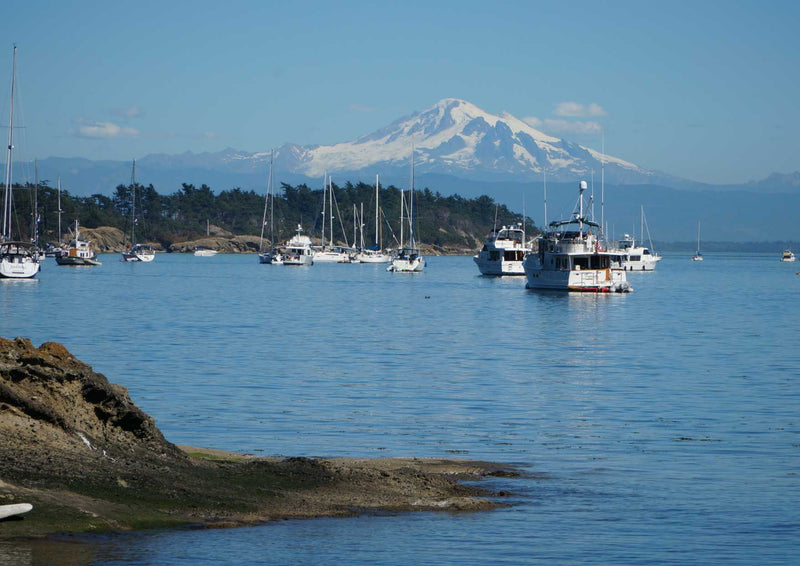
<point x="135" y="251"/>
<point x="203" y="251"/>
<point x="698" y="256"/>
<point x="78" y="252"/>
<point x="637" y="257"/>
<point x="298" y="250"/>
<point x="570" y="258"/>
<point x="409" y="259"/>
<point x="787" y="256"/>
<point x="18" y="259"/>
<point x="503" y="251"/>
<point x="272" y="256"/>
<point x="374" y="254"/>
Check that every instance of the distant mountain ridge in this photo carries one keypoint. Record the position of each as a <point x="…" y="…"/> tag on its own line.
<point x="452" y="137"/>
<point x="461" y="149"/>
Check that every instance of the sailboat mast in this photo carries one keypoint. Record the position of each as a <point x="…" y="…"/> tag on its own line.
<point x="698" y="237"/>
<point x="133" y="204"/>
<point x="603" y="182"/>
<point x="35" y="224"/>
<point x="544" y="173"/>
<point x="59" y="211"/>
<point x="271" y="196"/>
<point x="411" y="205"/>
<point x="266" y="203"/>
<point x="330" y="207"/>
<point x="376" y="211"/>
<point x="7" y="200"/>
<point x="402" y="219"/>
<point x="641" y="225"/>
<point x="524" y="222"/>
<point x="324" y="204"/>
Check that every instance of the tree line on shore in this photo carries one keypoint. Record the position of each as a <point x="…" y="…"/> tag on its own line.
<point x="440" y="221"/>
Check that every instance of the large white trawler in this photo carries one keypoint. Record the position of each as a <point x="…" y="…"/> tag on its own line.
<point x="503" y="251"/>
<point x="571" y="258"/>
<point x="298" y="250"/>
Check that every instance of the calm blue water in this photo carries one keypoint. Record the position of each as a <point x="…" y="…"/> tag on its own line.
<point x="659" y="427"/>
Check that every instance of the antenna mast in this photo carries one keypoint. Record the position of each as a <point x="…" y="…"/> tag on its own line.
<point x="8" y="200"/>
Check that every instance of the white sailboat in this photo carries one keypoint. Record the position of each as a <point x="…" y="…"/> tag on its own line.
<point x="409" y="259"/>
<point x="330" y="253"/>
<point x="273" y="256"/>
<point x="374" y="254"/>
<point x="136" y="251"/>
<point x="698" y="256"/>
<point x="18" y="259"/>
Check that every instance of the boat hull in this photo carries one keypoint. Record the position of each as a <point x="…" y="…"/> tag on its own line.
<point x="498" y="267"/>
<point x="144" y="258"/>
<point x="331" y="257"/>
<point x="376" y="257"/>
<point x="270" y="258"/>
<point x="18" y="260"/>
<point x="303" y="261"/>
<point x="582" y="281"/>
<point x="76" y="261"/>
<point x="18" y="267"/>
<point x="402" y="265"/>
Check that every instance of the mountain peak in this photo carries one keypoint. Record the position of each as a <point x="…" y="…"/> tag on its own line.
<point x="456" y="137"/>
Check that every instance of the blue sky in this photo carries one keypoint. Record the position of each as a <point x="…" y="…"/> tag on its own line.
<point x="707" y="90"/>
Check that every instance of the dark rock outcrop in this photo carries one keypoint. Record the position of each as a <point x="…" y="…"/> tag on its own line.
<point x="88" y="459"/>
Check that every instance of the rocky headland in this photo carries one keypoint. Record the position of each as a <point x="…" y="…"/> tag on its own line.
<point x="89" y="460"/>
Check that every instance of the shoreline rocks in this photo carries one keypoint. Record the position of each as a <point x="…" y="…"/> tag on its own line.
<point x="89" y="460"/>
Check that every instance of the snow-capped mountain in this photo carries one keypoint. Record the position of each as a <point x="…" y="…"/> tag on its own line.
<point x="453" y="138"/>
<point x="458" y="138"/>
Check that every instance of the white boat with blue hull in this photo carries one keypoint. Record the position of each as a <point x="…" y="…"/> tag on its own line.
<point x="570" y="258"/>
<point x="503" y="252"/>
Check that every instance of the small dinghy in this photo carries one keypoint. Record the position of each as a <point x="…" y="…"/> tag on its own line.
<point x="15" y="509"/>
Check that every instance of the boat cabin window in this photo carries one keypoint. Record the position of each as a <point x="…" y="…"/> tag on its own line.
<point x="591" y="262"/>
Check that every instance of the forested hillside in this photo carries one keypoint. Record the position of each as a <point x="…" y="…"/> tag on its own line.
<point x="448" y="222"/>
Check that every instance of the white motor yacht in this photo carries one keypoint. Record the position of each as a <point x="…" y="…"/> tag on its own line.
<point x="298" y="250"/>
<point x="570" y="258"/>
<point x="503" y="252"/>
<point x="636" y="257"/>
